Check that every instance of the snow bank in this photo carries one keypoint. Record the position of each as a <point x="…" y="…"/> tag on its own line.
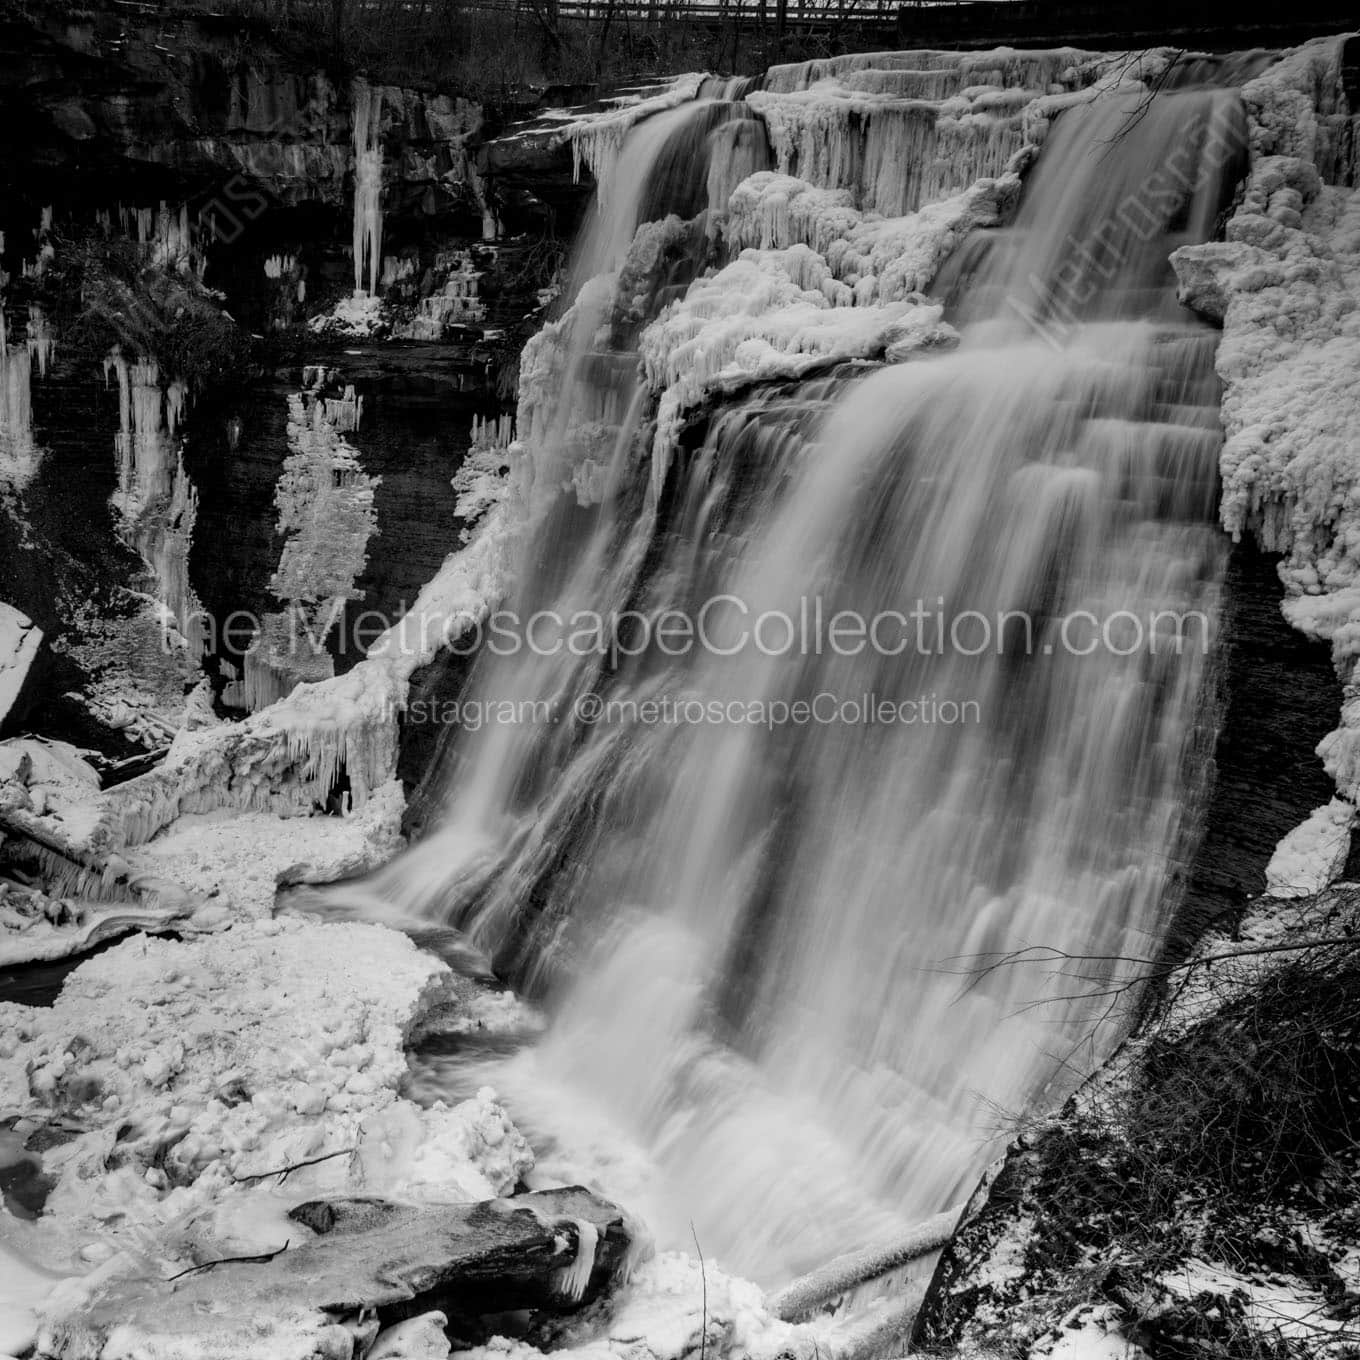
<point x="47" y="793"/>
<point x="1285" y="283"/>
<point x="193" y="1072"/>
<point x="239" y="860"/>
<point x="1088" y="1333"/>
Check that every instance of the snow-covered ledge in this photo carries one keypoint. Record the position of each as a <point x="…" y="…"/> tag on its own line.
<point x="1285" y="286"/>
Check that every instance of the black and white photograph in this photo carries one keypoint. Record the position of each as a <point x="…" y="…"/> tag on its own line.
<point x="679" y="680"/>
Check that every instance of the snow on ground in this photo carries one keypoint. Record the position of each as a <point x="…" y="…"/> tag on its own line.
<point x="171" y="1080"/>
<point x="673" y="1307"/>
<point x="1285" y="284"/>
<point x="241" y="859"/>
<point x="172" y="1083"/>
<point x="1276" y="1306"/>
<point x="1088" y="1333"/>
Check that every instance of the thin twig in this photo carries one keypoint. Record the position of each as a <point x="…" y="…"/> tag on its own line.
<point x="703" y="1276"/>
<point x="232" y="1260"/>
<point x="286" y="1171"/>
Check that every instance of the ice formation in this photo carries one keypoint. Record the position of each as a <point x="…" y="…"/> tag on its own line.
<point x="1285" y="283"/>
<point x="482" y="480"/>
<point x="368" y="175"/>
<point x="763" y="317"/>
<point x="149" y="416"/>
<point x="819" y="283"/>
<point x="156" y="501"/>
<point x="19" y="454"/>
<point x="902" y="129"/>
<point x="455" y="304"/>
<point x="877" y="259"/>
<point x="359" y="317"/>
<point x="326" y="516"/>
<point x="597" y="138"/>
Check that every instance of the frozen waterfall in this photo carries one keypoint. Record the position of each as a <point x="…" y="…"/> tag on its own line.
<point x="751" y="937"/>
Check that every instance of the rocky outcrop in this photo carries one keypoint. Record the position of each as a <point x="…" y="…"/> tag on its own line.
<point x="20" y="639"/>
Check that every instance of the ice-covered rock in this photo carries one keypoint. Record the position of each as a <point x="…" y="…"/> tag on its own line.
<point x="901" y="129"/>
<point x="20" y="639"/>
<point x="1311" y="856"/>
<point x="352" y="1258"/>
<point x="1286" y="285"/>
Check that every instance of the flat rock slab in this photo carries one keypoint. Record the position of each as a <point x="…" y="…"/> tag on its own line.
<point x="554" y="1249"/>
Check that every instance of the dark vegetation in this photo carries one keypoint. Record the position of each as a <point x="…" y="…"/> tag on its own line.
<point x="103" y="294"/>
<point x="1232" y="1139"/>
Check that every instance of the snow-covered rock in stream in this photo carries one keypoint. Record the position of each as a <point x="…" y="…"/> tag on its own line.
<point x="348" y="1259"/>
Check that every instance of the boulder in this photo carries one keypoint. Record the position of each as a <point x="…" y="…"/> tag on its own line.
<point x="553" y="1250"/>
<point x="20" y="639"/>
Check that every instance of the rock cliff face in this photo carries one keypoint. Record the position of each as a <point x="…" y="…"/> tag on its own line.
<point x="171" y="187"/>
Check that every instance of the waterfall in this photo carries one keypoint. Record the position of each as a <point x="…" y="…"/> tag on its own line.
<point x="760" y="938"/>
<point x="368" y="173"/>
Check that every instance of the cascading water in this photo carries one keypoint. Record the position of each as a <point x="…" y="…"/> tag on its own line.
<point x="751" y="927"/>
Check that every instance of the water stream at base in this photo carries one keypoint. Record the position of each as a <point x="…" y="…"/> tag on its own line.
<point x="751" y="939"/>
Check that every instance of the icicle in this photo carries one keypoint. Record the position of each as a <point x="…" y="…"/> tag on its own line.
<point x="572" y="1280"/>
<point x="147" y="420"/>
<point x="368" y="172"/>
<point x="344" y="413"/>
<point x="397" y="268"/>
<point x="19" y="454"/>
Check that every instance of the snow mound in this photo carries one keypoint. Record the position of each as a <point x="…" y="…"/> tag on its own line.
<point x="194" y="1072"/>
